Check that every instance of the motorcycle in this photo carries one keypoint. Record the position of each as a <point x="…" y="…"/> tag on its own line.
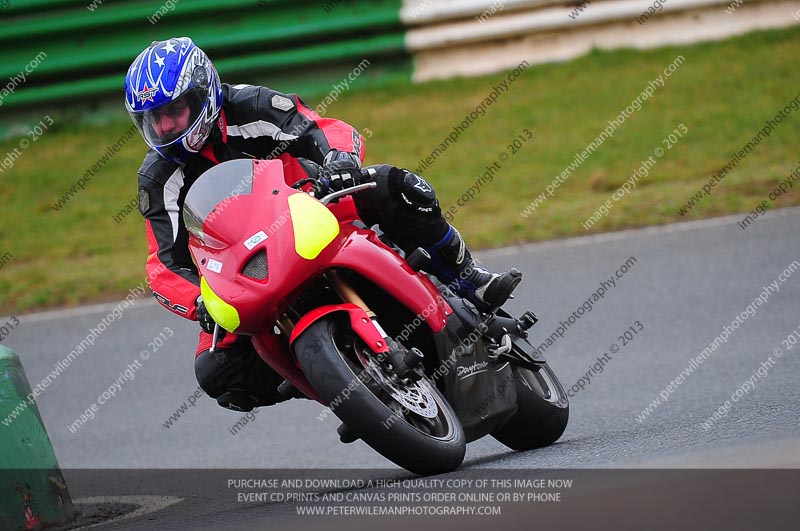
<point x="410" y="368"/>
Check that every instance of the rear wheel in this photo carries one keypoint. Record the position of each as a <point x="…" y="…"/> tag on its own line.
<point x="409" y="423"/>
<point x="542" y="410"/>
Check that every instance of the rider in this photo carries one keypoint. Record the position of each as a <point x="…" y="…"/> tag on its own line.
<point x="191" y="121"/>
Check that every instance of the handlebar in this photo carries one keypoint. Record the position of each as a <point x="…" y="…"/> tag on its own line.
<point x="366" y="175"/>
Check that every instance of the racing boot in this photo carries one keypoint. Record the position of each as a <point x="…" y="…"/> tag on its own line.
<point x="453" y="264"/>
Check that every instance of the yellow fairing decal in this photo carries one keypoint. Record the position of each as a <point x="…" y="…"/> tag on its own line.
<point x="314" y="225"/>
<point x="222" y="312"/>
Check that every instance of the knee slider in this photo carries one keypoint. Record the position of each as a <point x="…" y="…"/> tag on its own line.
<point x="237" y="400"/>
<point x="220" y="371"/>
<point x="209" y="371"/>
<point x="206" y="370"/>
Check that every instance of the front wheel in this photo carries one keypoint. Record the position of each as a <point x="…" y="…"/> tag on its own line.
<point x="542" y="410"/>
<point x="410" y="424"/>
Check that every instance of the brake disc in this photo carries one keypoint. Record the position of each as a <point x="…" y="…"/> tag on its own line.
<point x="416" y="397"/>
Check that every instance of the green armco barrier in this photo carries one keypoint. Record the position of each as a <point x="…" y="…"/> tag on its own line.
<point x="70" y="54"/>
<point x="229" y="68"/>
<point x="32" y="489"/>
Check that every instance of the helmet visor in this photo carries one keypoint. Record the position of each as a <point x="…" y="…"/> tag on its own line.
<point x="169" y="122"/>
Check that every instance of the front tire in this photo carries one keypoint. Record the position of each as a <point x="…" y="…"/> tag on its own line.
<point x="420" y="432"/>
<point x="542" y="411"/>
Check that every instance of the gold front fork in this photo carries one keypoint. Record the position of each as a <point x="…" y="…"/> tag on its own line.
<point x="286" y="323"/>
<point x="347" y="293"/>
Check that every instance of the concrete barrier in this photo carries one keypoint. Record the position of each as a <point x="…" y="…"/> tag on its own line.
<point x="33" y="492"/>
<point x="468" y="38"/>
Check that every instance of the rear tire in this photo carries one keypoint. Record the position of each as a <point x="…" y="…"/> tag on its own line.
<point x="542" y="411"/>
<point x="333" y="359"/>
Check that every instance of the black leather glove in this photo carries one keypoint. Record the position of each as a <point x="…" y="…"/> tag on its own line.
<point x="342" y="170"/>
<point x="207" y="322"/>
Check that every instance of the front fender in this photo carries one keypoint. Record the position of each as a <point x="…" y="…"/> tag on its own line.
<point x="360" y="322"/>
<point x="363" y="253"/>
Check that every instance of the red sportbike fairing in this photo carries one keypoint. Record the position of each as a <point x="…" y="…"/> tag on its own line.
<point x="407" y="366"/>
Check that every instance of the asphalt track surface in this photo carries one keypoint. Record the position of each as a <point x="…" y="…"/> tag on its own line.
<point x="687" y="283"/>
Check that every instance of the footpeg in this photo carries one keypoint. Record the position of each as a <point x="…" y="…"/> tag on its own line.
<point x="346" y="434"/>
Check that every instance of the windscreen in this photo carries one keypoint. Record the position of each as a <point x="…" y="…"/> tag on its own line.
<point x="212" y="192"/>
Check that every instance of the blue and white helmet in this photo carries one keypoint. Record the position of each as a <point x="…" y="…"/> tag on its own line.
<point x="173" y="95"/>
